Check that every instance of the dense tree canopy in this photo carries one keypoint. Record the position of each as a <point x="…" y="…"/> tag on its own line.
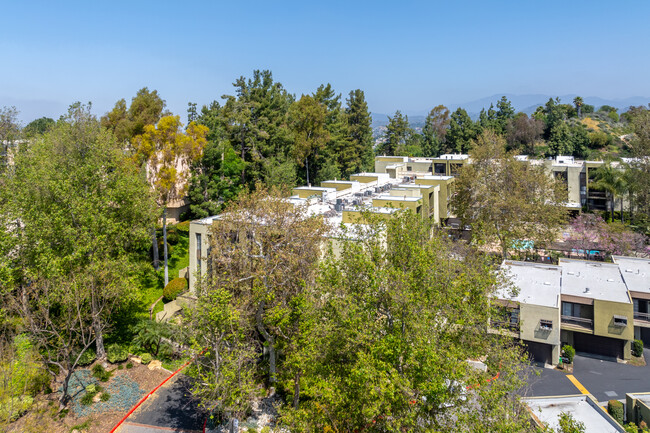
<point x="77" y="210"/>
<point x="506" y="200"/>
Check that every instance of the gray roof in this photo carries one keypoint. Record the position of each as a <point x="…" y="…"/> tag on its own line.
<point x="538" y="284"/>
<point x="583" y="409"/>
<point x="635" y="272"/>
<point x="593" y="280"/>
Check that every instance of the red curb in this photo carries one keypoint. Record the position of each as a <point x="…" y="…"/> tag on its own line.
<point x="143" y="399"/>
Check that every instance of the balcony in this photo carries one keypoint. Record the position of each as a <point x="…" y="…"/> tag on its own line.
<point x="644" y="317"/>
<point x="505" y="327"/>
<point x="580" y="323"/>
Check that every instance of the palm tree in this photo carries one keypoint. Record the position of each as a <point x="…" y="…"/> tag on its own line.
<point x="610" y="179"/>
<point x="578" y="102"/>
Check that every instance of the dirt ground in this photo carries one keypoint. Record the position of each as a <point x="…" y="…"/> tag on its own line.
<point x="44" y="415"/>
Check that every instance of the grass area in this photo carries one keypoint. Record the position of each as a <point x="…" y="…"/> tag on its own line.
<point x="152" y="282"/>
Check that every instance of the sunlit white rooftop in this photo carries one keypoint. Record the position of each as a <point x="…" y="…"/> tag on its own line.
<point x="594" y="280"/>
<point x="536" y="283"/>
<point x="581" y="407"/>
<point x="635" y="272"/>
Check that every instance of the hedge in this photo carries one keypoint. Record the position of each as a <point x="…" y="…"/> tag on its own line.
<point x="637" y="348"/>
<point x="175" y="286"/>
<point x="615" y="409"/>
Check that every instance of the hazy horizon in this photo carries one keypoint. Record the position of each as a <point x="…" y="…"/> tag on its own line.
<point x="410" y="56"/>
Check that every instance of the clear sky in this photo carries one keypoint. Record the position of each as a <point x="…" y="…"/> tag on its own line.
<point x="408" y="55"/>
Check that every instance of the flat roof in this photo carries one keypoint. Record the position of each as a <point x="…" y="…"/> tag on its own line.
<point x="315" y="188"/>
<point x="435" y="177"/>
<point x="456" y="156"/>
<point x="594" y="280"/>
<point x="635" y="272"/>
<point x="583" y="409"/>
<point x="538" y="284"/>
<point x="396" y="198"/>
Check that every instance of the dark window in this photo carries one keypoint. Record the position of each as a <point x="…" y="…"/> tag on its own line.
<point x="546" y="324"/>
<point x="620" y="320"/>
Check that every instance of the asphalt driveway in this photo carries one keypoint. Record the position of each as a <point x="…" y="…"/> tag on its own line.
<point x="604" y="379"/>
<point x="170" y="409"/>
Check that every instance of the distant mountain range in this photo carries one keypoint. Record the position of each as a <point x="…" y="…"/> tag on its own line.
<point x="526" y="103"/>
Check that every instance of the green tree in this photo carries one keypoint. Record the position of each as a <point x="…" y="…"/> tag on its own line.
<point x="10" y="131"/>
<point x="146" y="109"/>
<point x="396" y="135"/>
<point x="308" y="119"/>
<point x="523" y="132"/>
<point x="462" y="130"/>
<point x="216" y="176"/>
<point x="166" y="151"/>
<point x="38" y="127"/>
<point x="388" y="330"/>
<point x="640" y="166"/>
<point x="505" y="113"/>
<point x="578" y="102"/>
<point x="560" y="141"/>
<point x="256" y="123"/>
<point x="506" y="200"/>
<point x="79" y="211"/>
<point x="263" y="256"/>
<point x="435" y="131"/>
<point x="360" y="132"/>
<point x="610" y="179"/>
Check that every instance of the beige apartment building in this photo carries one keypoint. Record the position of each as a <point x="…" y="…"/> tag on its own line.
<point x="578" y="175"/>
<point x="583" y="303"/>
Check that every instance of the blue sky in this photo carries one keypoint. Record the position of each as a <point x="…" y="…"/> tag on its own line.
<point x="404" y="55"/>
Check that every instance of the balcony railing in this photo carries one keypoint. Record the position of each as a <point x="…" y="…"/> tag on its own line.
<point x="503" y="324"/>
<point x="642" y="316"/>
<point x="578" y="321"/>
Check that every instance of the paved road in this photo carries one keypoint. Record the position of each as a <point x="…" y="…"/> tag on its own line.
<point x="605" y="379"/>
<point x="170" y="409"/>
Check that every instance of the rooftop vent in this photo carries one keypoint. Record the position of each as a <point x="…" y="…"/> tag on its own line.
<point x="547" y="283"/>
<point x="587" y="290"/>
<point x="611" y="280"/>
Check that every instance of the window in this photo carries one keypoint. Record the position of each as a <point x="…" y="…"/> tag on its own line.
<point x="546" y="324"/>
<point x="198" y="247"/>
<point x="620" y="321"/>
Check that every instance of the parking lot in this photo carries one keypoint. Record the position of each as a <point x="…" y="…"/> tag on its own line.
<point x="604" y="378"/>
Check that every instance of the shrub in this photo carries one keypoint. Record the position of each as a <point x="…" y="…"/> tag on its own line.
<point x="615" y="409"/>
<point x="100" y="373"/>
<point x="129" y="365"/>
<point x="120" y="367"/>
<point x="12" y="408"/>
<point x="175" y="286"/>
<point x="92" y="389"/>
<point x="146" y="358"/>
<point x="87" y="358"/>
<point x="183" y="227"/>
<point x="569" y="353"/>
<point x="116" y="353"/>
<point x="172" y="236"/>
<point x="87" y="399"/>
<point x="105" y="396"/>
<point x="637" y="348"/>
